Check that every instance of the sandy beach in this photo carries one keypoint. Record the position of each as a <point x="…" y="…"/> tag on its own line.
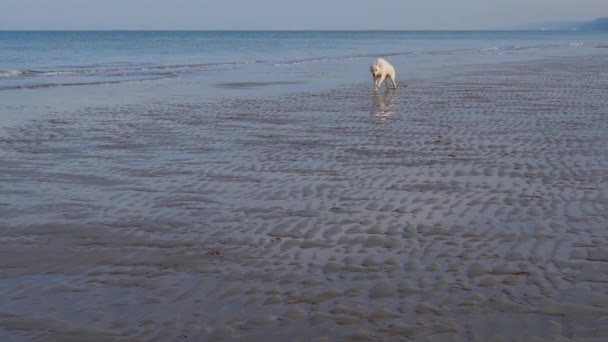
<point x="465" y="208"/>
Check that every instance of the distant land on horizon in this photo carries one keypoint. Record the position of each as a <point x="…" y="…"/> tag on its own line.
<point x="599" y="24"/>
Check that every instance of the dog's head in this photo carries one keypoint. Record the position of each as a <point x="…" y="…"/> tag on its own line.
<point x="375" y="70"/>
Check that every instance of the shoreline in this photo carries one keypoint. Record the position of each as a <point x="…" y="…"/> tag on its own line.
<point x="468" y="207"/>
<point x="311" y="74"/>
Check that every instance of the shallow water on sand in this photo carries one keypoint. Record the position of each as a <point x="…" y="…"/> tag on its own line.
<point x="471" y="207"/>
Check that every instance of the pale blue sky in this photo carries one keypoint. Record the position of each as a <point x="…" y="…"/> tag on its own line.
<point x="285" y="14"/>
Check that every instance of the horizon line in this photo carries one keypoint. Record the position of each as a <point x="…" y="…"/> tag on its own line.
<point x="290" y="30"/>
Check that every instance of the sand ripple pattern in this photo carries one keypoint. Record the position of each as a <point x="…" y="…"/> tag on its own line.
<point x="471" y="208"/>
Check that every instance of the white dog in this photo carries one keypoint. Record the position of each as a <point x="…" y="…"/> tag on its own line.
<point x="381" y="69"/>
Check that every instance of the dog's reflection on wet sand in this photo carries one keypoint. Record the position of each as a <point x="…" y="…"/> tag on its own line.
<point x="383" y="105"/>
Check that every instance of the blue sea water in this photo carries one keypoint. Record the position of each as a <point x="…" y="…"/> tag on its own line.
<point x="45" y="59"/>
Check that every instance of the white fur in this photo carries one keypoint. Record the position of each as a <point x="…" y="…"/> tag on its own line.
<point x="381" y="70"/>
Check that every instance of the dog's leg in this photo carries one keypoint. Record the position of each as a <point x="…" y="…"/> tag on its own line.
<point x="392" y="77"/>
<point x="382" y="79"/>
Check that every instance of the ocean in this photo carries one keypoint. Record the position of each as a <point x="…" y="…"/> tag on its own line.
<point x="74" y="58"/>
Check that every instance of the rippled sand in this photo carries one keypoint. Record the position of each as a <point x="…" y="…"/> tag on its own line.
<point x="468" y="208"/>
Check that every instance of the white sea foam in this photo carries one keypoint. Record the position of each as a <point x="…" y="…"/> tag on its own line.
<point x="10" y="73"/>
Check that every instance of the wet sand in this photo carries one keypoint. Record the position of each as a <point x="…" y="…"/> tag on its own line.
<point x="470" y="208"/>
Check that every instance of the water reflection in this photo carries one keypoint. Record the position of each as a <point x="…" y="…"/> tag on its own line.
<point x="383" y="105"/>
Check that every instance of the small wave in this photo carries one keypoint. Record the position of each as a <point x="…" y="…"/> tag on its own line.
<point x="157" y="77"/>
<point x="31" y="79"/>
<point x="513" y="47"/>
<point x="387" y="54"/>
<point x="11" y="73"/>
<point x="342" y="58"/>
<point x="410" y="53"/>
<point x="498" y="49"/>
<point x="577" y="44"/>
<point x="316" y="60"/>
<point x="168" y="67"/>
<point x="78" y="71"/>
<point x="35" y="73"/>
